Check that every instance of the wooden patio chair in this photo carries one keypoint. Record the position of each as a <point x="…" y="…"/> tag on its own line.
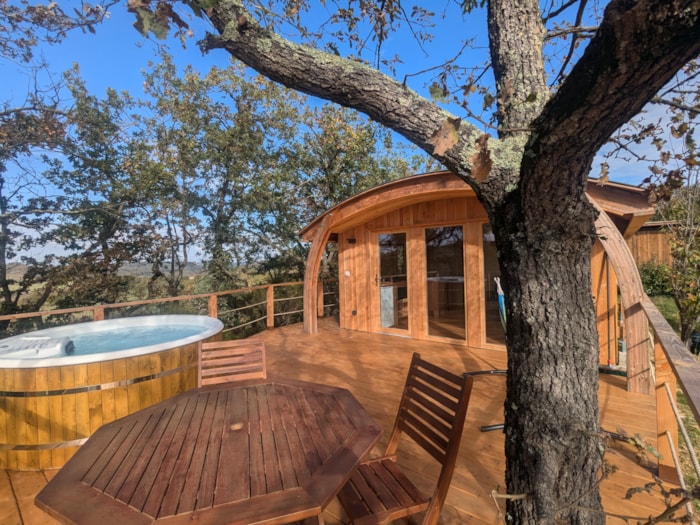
<point x="224" y="361"/>
<point x="431" y="412"/>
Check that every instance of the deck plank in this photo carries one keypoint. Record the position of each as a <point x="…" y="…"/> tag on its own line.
<point x="9" y="510"/>
<point x="374" y="367"/>
<point x="26" y="485"/>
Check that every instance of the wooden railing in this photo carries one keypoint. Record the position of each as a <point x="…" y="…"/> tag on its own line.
<point x="243" y="311"/>
<point x="674" y="367"/>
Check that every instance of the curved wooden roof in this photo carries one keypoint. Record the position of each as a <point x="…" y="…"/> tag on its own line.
<point x="628" y="206"/>
<point x="387" y="197"/>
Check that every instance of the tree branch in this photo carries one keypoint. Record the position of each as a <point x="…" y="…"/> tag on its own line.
<point x="559" y="11"/>
<point x="676" y="105"/>
<point x="574" y="39"/>
<point x="340" y="80"/>
<point x="578" y="30"/>
<point x="638" y="48"/>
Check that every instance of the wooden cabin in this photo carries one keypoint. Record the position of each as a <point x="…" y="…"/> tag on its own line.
<point x="651" y="243"/>
<point x="417" y="258"/>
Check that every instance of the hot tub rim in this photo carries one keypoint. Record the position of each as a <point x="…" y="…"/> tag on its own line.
<point x="213" y="326"/>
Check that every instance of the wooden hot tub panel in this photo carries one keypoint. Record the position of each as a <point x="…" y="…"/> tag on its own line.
<point x="47" y="413"/>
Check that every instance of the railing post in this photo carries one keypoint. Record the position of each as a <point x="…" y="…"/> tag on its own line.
<point x="665" y="418"/>
<point x="213" y="306"/>
<point x="319" y="302"/>
<point x="98" y="314"/>
<point x="270" y="307"/>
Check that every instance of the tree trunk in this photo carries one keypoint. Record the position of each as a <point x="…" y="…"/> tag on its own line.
<point x="551" y="410"/>
<point x="516" y="35"/>
<point x="544" y="246"/>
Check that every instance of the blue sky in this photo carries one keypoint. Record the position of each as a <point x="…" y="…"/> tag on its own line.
<point x="116" y="56"/>
<point x="113" y="57"/>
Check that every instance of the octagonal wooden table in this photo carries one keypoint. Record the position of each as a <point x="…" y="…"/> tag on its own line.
<point x="270" y="451"/>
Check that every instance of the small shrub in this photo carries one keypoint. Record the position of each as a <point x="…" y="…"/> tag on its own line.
<point x="656" y="278"/>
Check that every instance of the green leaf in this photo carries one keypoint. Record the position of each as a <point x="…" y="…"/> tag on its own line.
<point x="147" y="23"/>
<point x="143" y="19"/>
<point x="437" y="92"/>
<point x="469" y="5"/>
<point x="690" y="140"/>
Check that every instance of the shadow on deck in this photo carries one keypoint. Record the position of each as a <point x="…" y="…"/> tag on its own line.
<point x="373" y="367"/>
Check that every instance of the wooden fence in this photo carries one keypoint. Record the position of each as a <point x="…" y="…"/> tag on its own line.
<point x="650" y="243"/>
<point x="243" y="311"/>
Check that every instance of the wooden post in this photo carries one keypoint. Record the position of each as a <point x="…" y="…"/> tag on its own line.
<point x="313" y="264"/>
<point x="98" y="314"/>
<point x="665" y="418"/>
<point x="213" y="306"/>
<point x="319" y="302"/>
<point x="270" y="307"/>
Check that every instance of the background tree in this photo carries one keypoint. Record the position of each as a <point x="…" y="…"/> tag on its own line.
<point x="530" y="177"/>
<point x="662" y="141"/>
<point x="680" y="209"/>
<point x="221" y="167"/>
<point x="26" y="26"/>
<point x="167" y="169"/>
<point x="337" y="154"/>
<point x="247" y="164"/>
<point x="102" y="227"/>
<point x="682" y="212"/>
<point x="34" y="126"/>
<point x="218" y="138"/>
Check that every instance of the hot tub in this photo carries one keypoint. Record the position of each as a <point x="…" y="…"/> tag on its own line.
<point x="59" y="385"/>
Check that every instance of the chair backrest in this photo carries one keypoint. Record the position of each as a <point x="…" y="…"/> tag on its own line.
<point x="432" y="412"/>
<point x="224" y="361"/>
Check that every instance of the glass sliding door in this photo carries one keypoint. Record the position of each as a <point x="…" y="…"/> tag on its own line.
<point x="392" y="281"/>
<point x="495" y="331"/>
<point x="444" y="249"/>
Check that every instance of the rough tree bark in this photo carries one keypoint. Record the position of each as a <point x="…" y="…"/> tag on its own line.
<point x="531" y="180"/>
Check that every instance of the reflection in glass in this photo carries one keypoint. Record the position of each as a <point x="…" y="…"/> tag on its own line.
<point x="393" y="290"/>
<point x="494" y="328"/>
<point x="445" y="281"/>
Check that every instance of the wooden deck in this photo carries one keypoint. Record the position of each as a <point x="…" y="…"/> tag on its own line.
<point x="373" y="367"/>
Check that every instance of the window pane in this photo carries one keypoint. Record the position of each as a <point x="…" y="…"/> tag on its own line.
<point x="393" y="291"/>
<point x="444" y="248"/>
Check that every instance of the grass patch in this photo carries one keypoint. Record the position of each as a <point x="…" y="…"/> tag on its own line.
<point x="668" y="309"/>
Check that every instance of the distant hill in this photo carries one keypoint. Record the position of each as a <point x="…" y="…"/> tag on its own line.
<point x="16" y="271"/>
<point x="144" y="270"/>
